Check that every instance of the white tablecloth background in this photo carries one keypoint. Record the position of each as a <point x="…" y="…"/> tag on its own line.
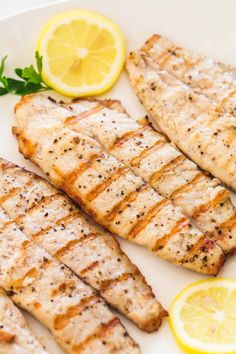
<point x="10" y="7"/>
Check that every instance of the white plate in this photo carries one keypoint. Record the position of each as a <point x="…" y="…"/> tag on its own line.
<point x="207" y="26"/>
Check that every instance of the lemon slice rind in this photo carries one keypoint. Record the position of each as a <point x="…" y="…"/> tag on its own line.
<point x="186" y="342"/>
<point x="93" y="18"/>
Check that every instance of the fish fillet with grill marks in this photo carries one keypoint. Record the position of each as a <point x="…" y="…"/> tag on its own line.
<point x="77" y="317"/>
<point x="193" y="121"/>
<point x="51" y="220"/>
<point x="205" y="75"/>
<point x="108" y="190"/>
<point x="149" y="154"/>
<point x="15" y="335"/>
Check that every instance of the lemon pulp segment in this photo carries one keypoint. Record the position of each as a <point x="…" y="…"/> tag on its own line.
<point x="203" y="317"/>
<point x="83" y="53"/>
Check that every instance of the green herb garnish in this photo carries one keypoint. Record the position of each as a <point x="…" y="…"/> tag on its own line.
<point x="31" y="79"/>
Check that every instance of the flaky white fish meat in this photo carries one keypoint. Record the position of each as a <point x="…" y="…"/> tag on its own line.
<point x="50" y="219"/>
<point x="15" y="334"/>
<point x="205" y="75"/>
<point x="193" y="121"/>
<point x="108" y="190"/>
<point x="151" y="156"/>
<point x="76" y="315"/>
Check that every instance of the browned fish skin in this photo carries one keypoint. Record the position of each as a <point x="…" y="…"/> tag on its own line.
<point x="103" y="186"/>
<point x="199" y="125"/>
<point x="50" y="219"/>
<point x="15" y="335"/>
<point x="47" y="289"/>
<point x="149" y="154"/>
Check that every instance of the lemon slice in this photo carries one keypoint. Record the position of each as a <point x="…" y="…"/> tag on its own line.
<point x="203" y="317"/>
<point x="83" y="53"/>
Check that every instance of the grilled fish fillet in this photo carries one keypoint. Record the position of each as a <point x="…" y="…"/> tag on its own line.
<point x="108" y="190"/>
<point x="15" y="335"/>
<point x="205" y="75"/>
<point x="149" y="154"/>
<point x="191" y="120"/>
<point x="77" y="317"/>
<point x="50" y="219"/>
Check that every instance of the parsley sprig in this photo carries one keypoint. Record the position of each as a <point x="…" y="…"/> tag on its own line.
<point x="31" y="79"/>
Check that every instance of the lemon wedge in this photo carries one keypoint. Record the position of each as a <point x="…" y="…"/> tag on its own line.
<point x="83" y="53"/>
<point x="203" y="317"/>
